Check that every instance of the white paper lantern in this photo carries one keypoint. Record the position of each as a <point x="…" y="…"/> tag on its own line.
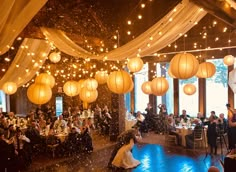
<point x="9" y="88"/>
<point x="55" y="57"/>
<point x="229" y="60"/>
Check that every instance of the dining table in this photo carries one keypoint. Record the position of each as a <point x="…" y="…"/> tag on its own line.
<point x="184" y="130"/>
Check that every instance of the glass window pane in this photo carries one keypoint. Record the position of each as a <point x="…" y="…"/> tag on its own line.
<point x="3" y="107"/>
<point x="188" y="102"/>
<point x="168" y="98"/>
<point x="140" y="99"/>
<point x="217" y="89"/>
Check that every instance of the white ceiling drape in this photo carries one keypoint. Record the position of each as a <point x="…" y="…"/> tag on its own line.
<point x="15" y="15"/>
<point x="28" y="60"/>
<point x="176" y="23"/>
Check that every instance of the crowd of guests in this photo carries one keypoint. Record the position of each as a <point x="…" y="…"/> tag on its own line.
<point x="22" y="138"/>
<point x="217" y="127"/>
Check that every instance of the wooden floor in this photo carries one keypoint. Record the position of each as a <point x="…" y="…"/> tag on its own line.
<point x="154" y="154"/>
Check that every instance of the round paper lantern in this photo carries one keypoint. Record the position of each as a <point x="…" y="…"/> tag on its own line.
<point x="45" y="78"/>
<point x="88" y="96"/>
<point x="91" y="84"/>
<point x="159" y="86"/>
<point x="146" y="87"/>
<point x="170" y="73"/>
<point x="184" y="65"/>
<point x="131" y="87"/>
<point x="135" y="64"/>
<point x="70" y="88"/>
<point x="189" y="89"/>
<point x="80" y="84"/>
<point x="229" y="60"/>
<point x="206" y="70"/>
<point x="39" y="93"/>
<point x="55" y="57"/>
<point x="9" y="88"/>
<point x="119" y="82"/>
<point x="101" y="77"/>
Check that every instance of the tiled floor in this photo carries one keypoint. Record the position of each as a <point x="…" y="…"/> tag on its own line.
<point x="154" y="155"/>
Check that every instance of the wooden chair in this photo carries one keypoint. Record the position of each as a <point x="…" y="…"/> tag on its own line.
<point x="198" y="137"/>
<point x="170" y="139"/>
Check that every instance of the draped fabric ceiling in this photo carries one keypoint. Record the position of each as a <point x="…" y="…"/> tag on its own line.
<point x="176" y="23"/>
<point x="17" y="13"/>
<point x="29" y="58"/>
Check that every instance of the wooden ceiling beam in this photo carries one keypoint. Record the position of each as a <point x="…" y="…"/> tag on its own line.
<point x="219" y="9"/>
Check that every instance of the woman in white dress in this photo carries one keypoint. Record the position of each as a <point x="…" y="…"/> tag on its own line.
<point x="124" y="158"/>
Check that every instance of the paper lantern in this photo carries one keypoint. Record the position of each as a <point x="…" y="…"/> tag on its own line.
<point x="146" y="87"/>
<point x="184" y="65"/>
<point x="91" y="84"/>
<point x="88" y="96"/>
<point x="135" y="64"/>
<point x="189" y="89"/>
<point x="170" y="73"/>
<point x="206" y="70"/>
<point x="55" y="57"/>
<point x="131" y="87"/>
<point x="101" y="77"/>
<point x="45" y="78"/>
<point x="159" y="86"/>
<point x="70" y="88"/>
<point x="229" y="60"/>
<point x="119" y="82"/>
<point x="80" y="84"/>
<point x="9" y="88"/>
<point x="39" y="93"/>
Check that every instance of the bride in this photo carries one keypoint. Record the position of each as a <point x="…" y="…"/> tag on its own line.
<point x="124" y="158"/>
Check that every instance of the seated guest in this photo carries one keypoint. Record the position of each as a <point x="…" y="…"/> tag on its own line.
<point x="105" y="121"/>
<point x="11" y="118"/>
<point x="184" y="117"/>
<point x="32" y="132"/>
<point x="30" y="117"/>
<point x="23" y="158"/>
<point x="42" y="123"/>
<point x="60" y="125"/>
<point x="73" y="143"/>
<point x="190" y="137"/>
<point x="176" y="118"/>
<point x="172" y="130"/>
<point x="3" y="123"/>
<point x="86" y="139"/>
<point x="10" y="132"/>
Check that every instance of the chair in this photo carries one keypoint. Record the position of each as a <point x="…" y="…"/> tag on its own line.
<point x="170" y="138"/>
<point x="52" y="148"/>
<point x="198" y="137"/>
